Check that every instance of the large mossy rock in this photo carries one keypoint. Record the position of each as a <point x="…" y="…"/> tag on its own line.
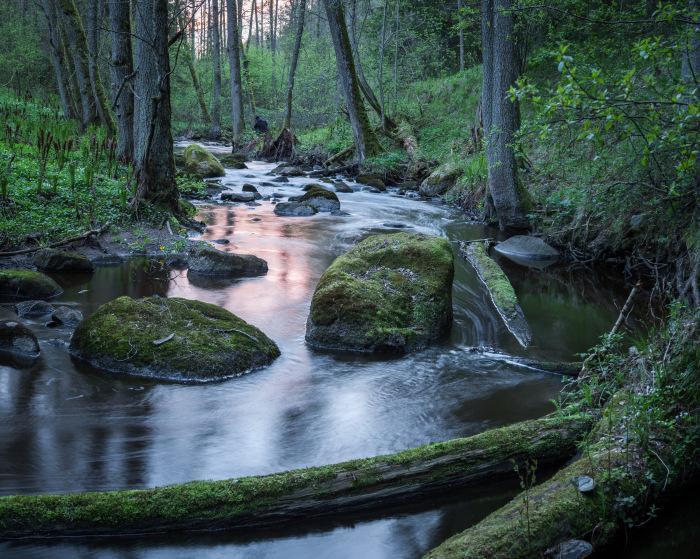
<point x="440" y="180"/>
<point x="320" y="199"/>
<point x="294" y="209"/>
<point x="54" y="260"/>
<point x="171" y="339"/>
<point x="390" y="293"/>
<point x="233" y="161"/>
<point x="208" y="261"/>
<point x="27" y="284"/>
<point x="199" y="161"/>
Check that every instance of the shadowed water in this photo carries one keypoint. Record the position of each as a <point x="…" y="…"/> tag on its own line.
<point x="69" y="428"/>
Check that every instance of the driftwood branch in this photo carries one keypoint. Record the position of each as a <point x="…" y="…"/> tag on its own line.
<point x="67" y="241"/>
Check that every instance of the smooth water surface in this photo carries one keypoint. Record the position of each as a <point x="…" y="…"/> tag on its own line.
<point x="64" y="427"/>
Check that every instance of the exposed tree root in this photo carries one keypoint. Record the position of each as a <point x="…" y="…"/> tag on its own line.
<point x="354" y="486"/>
<point x="281" y="148"/>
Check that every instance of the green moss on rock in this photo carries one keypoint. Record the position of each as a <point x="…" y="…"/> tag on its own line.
<point x="208" y="342"/>
<point x="55" y="260"/>
<point x="390" y="293"/>
<point x="199" y="161"/>
<point x="27" y="284"/>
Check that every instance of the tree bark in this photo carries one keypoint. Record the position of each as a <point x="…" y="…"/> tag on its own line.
<point x="122" y="72"/>
<point x="300" y="15"/>
<point x="55" y="54"/>
<point x="92" y="84"/>
<point x="153" y="142"/>
<point x="215" y="131"/>
<point x="93" y="16"/>
<point x="461" y="37"/>
<point x="234" y="62"/>
<point x="284" y="498"/>
<point x="366" y="143"/>
<point x="500" y="72"/>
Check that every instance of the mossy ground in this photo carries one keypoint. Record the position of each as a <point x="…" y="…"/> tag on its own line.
<point x="389" y="291"/>
<point x="27" y="284"/>
<point x="216" y="504"/>
<point x="209" y="342"/>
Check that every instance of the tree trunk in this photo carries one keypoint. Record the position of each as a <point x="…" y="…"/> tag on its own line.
<point x="196" y="84"/>
<point x="285" y="498"/>
<point x="500" y="113"/>
<point x="461" y="36"/>
<point x="382" y="114"/>
<point x="93" y="16"/>
<point x="234" y="62"/>
<point x="79" y="42"/>
<point x="301" y="7"/>
<point x="54" y="48"/>
<point x="122" y="72"/>
<point x="366" y="143"/>
<point x="153" y="142"/>
<point x="271" y="17"/>
<point x="215" y="131"/>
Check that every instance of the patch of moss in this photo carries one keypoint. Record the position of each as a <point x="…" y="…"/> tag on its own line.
<point x="199" y="161"/>
<point x="391" y="292"/>
<point x="498" y="284"/>
<point x="187" y="209"/>
<point x="266" y="499"/>
<point x="317" y="191"/>
<point x="27" y="284"/>
<point x="208" y="342"/>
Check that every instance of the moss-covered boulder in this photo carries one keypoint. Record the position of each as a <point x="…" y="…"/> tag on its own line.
<point x="54" y="260"/>
<point x="371" y="179"/>
<point x="207" y="261"/>
<point x="199" y="161"/>
<point x="440" y="180"/>
<point x="390" y="293"/>
<point x="319" y="198"/>
<point x="27" y="284"/>
<point x="233" y="161"/>
<point x="171" y="339"/>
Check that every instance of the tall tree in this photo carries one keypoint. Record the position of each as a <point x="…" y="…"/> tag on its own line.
<point x="215" y="130"/>
<point x="300" y="15"/>
<point x="500" y="72"/>
<point x="153" y="142"/>
<point x="79" y="42"/>
<point x="234" y="62"/>
<point x="55" y="54"/>
<point x="366" y="143"/>
<point x="121" y="73"/>
<point x="461" y="36"/>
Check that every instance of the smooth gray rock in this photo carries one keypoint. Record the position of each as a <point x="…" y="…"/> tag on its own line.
<point x="17" y="338"/>
<point x="208" y="261"/>
<point x="585" y="484"/>
<point x="571" y="549"/>
<point x="33" y="309"/>
<point x="341" y="186"/>
<point x="237" y="196"/>
<point x="527" y="250"/>
<point x="294" y="209"/>
<point x="65" y="316"/>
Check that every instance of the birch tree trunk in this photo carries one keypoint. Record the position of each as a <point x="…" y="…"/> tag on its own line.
<point x="501" y="113"/>
<point x="153" y="142"/>
<point x="300" y="15"/>
<point x="234" y="61"/>
<point x="121" y="72"/>
<point x="215" y="130"/>
<point x="366" y="143"/>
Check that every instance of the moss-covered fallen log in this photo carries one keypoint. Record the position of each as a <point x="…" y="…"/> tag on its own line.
<point x="357" y="485"/>
<point x="499" y="288"/>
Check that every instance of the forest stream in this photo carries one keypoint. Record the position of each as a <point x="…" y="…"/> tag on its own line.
<point x="66" y="428"/>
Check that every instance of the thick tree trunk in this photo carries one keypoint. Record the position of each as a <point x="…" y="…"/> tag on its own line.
<point x="215" y="130"/>
<point x="301" y="8"/>
<point x="93" y="16"/>
<point x="500" y="113"/>
<point x="284" y="498"/>
<point x="153" y="142"/>
<point x="197" y="85"/>
<point x="55" y="54"/>
<point x="122" y="72"/>
<point x="366" y="143"/>
<point x="234" y="62"/>
<point x="78" y="40"/>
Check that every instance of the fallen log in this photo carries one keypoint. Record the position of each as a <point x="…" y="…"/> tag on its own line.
<point x="276" y="499"/>
<point x="499" y="288"/>
<point x="63" y="242"/>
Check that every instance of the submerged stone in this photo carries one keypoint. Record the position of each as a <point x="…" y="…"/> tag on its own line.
<point x="390" y="293"/>
<point x="33" y="309"/>
<point x="17" y="338"/>
<point x="65" y="316"/>
<point x="208" y="261"/>
<point x="527" y="250"/>
<point x="199" y="161"/>
<point x="171" y="339"/>
<point x="55" y="260"/>
<point x="27" y="284"/>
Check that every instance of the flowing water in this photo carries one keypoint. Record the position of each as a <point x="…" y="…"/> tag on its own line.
<point x="65" y="427"/>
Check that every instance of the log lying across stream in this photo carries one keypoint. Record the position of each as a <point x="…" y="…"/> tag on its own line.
<point x="251" y="502"/>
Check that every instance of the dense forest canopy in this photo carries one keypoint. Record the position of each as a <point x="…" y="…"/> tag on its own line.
<point x="526" y="146"/>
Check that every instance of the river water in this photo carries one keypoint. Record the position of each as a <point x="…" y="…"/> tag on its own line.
<point x="64" y="427"/>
